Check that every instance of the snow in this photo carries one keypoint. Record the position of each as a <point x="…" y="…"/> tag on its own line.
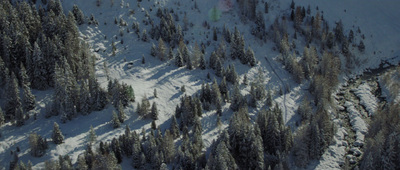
<point x="389" y="84"/>
<point x="377" y="21"/>
<point x="333" y="157"/>
<point x="357" y="123"/>
<point x="382" y="37"/>
<point x="367" y="99"/>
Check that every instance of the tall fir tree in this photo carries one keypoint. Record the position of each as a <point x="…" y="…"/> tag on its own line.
<point x="13" y="106"/>
<point x="57" y="136"/>
<point x="174" y="128"/>
<point x="92" y="137"/>
<point x="154" y="111"/>
<point x="28" y="100"/>
<point x="115" y="121"/>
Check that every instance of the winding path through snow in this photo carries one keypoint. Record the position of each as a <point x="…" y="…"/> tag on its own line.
<point x="283" y="86"/>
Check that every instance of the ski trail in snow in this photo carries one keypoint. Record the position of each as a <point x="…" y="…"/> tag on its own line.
<point x="283" y="86"/>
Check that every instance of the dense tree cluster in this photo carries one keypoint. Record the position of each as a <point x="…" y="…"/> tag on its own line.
<point x="262" y="145"/>
<point x="383" y="140"/>
<point x="40" y="49"/>
<point x="37" y="144"/>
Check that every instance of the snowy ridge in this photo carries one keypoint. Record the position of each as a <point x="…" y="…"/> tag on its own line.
<point x="358" y="124"/>
<point x="367" y="99"/>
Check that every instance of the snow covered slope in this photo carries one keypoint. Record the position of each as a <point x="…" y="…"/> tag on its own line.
<point x="378" y="21"/>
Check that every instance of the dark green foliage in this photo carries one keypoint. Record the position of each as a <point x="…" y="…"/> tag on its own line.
<point x="382" y="140"/>
<point x="154" y="111"/>
<point x="361" y="46"/>
<point x="305" y="110"/>
<point x="237" y="100"/>
<point x="241" y="134"/>
<point x="178" y="59"/>
<point x="121" y="113"/>
<point x="215" y="37"/>
<point x="2" y="118"/>
<point x="13" y="106"/>
<point x="92" y="137"/>
<point x="115" y="121"/>
<point x="37" y="144"/>
<point x="78" y="15"/>
<point x="57" y="136"/>
<point x="28" y="100"/>
<point x="174" y="128"/>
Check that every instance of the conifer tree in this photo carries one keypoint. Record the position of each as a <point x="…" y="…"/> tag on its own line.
<point x="3" y="72"/>
<point x="2" y="118"/>
<point x="28" y="98"/>
<point x="174" y="128"/>
<point x="78" y="15"/>
<point x="57" y="136"/>
<point x="161" y="50"/>
<point x="84" y="99"/>
<point x="170" y="54"/>
<point x="155" y="93"/>
<point x="202" y="63"/>
<point x="216" y="94"/>
<point x="250" y="57"/>
<point x="115" y="121"/>
<point x="13" y="106"/>
<point x="179" y="59"/>
<point x="92" y="135"/>
<point x="37" y="144"/>
<point x="154" y="111"/>
<point x="219" y="68"/>
<point x="114" y="48"/>
<point x="237" y="99"/>
<point x="121" y="113"/>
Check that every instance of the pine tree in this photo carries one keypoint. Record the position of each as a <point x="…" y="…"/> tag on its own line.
<point x="155" y="93"/>
<point x="222" y="159"/>
<point x="250" y="57"/>
<point x="2" y="118"/>
<point x="170" y="54"/>
<point x="269" y="98"/>
<point x="216" y="94"/>
<point x="3" y="73"/>
<point x="28" y="99"/>
<point x="179" y="59"/>
<point x="305" y="110"/>
<point x="115" y="121"/>
<point x="237" y="99"/>
<point x="161" y="50"/>
<point x="57" y="136"/>
<point x="202" y="64"/>
<point x="219" y="68"/>
<point x="154" y="111"/>
<point x="215" y="37"/>
<point x="78" y="15"/>
<point x="174" y="128"/>
<point x="13" y="106"/>
<point x="266" y="7"/>
<point x="144" y="36"/>
<point x="114" y="48"/>
<point x="121" y="113"/>
<point x="92" y="135"/>
<point x="84" y="99"/>
<point x="37" y="144"/>
<point x="361" y="46"/>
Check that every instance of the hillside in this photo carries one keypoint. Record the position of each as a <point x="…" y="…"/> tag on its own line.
<point x="267" y="96"/>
